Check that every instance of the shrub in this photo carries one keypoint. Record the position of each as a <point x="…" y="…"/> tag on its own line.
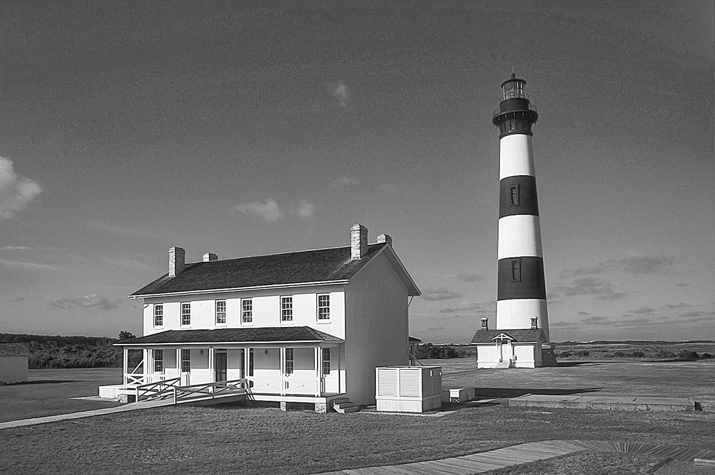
<point x="638" y="354"/>
<point x="619" y="354"/>
<point x="706" y="356"/>
<point x="583" y="353"/>
<point x="688" y="355"/>
<point x="564" y="354"/>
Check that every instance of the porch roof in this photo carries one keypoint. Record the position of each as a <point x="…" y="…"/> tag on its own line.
<point x="299" y="334"/>
<point x="517" y="335"/>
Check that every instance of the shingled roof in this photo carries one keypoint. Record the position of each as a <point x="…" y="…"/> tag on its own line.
<point x="234" y="335"/>
<point x="322" y="265"/>
<point x="518" y="335"/>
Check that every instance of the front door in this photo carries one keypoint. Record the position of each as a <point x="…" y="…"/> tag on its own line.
<point x="221" y="366"/>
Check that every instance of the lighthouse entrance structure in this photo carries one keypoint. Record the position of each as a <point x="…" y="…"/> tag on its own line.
<point x="522" y="318"/>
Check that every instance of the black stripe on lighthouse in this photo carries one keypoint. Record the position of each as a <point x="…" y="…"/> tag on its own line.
<point x="517" y="195"/>
<point x="521" y="278"/>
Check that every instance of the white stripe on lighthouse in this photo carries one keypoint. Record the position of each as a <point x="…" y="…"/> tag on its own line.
<point x="515" y="156"/>
<point x="519" y="235"/>
<point x="517" y="313"/>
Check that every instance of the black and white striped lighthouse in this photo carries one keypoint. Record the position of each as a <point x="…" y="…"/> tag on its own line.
<point x="521" y="288"/>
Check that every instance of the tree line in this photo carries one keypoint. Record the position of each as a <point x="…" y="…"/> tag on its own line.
<point x="70" y="351"/>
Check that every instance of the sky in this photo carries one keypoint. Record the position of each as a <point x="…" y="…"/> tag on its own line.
<point x="249" y="128"/>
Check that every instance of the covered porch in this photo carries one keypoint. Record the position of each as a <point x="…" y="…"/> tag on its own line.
<point x="292" y="364"/>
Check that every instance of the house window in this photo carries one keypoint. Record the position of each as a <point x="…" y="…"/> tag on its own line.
<point x="220" y="312"/>
<point x="289" y="361"/>
<point x="185" y="361"/>
<point x="515" y="195"/>
<point x="323" y="307"/>
<point x="326" y="361"/>
<point x="158" y="315"/>
<point x="247" y="310"/>
<point x="186" y="314"/>
<point x="516" y="270"/>
<point x="158" y="361"/>
<point x="286" y="309"/>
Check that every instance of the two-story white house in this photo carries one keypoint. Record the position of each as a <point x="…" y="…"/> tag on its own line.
<point x="302" y="326"/>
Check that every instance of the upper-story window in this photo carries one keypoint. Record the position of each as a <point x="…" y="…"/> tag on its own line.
<point x="324" y="307"/>
<point x="158" y="315"/>
<point x="220" y="312"/>
<point x="158" y="361"/>
<point x="186" y="313"/>
<point x="286" y="309"/>
<point x="247" y="310"/>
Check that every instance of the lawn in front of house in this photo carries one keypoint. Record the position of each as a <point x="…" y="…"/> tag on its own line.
<point x="49" y="392"/>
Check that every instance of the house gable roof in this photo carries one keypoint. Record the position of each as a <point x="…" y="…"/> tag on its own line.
<point x="234" y="335"/>
<point x="13" y="349"/>
<point x="516" y="335"/>
<point x="322" y="265"/>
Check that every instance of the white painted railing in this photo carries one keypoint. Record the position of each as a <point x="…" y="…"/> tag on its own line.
<point x="208" y="390"/>
<point x="158" y="390"/>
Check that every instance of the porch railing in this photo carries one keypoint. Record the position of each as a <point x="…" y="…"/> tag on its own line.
<point x="158" y="390"/>
<point x="209" y="390"/>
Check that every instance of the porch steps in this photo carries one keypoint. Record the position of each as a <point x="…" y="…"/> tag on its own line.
<point x="343" y="405"/>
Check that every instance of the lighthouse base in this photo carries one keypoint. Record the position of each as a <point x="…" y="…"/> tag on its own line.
<point x="509" y="348"/>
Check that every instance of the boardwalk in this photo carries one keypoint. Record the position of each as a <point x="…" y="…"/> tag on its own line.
<point x="528" y="452"/>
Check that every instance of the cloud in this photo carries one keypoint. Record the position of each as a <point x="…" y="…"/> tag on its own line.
<point x="564" y="324"/>
<point x="86" y="301"/>
<point x="595" y="321"/>
<point x="671" y="306"/>
<point x="304" y="210"/>
<point x="389" y="187"/>
<point x="15" y="248"/>
<point x="692" y="314"/>
<point x="631" y="263"/>
<point x="682" y="284"/>
<point x="470" y="277"/>
<point x="441" y="293"/>
<point x="268" y="211"/>
<point x="16" y="191"/>
<point x="26" y="265"/>
<point x="644" y="309"/>
<point x="639" y="263"/>
<point x="341" y="93"/>
<point x="582" y="313"/>
<point x="479" y="308"/>
<point x="591" y="286"/>
<point x="343" y="181"/>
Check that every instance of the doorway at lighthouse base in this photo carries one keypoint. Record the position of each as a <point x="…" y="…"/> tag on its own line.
<point x="513" y="349"/>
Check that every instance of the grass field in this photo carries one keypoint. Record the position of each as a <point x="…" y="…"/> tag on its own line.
<point x="233" y="439"/>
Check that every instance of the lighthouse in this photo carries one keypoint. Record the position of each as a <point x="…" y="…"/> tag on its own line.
<point x="520" y="334"/>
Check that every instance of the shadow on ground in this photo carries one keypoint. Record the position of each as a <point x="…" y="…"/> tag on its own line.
<point x="48" y="381"/>
<point x="516" y="392"/>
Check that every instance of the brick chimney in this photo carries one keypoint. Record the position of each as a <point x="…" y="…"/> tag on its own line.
<point x="177" y="261"/>
<point x="485" y="324"/>
<point x="210" y="256"/>
<point x="384" y="238"/>
<point x="358" y="241"/>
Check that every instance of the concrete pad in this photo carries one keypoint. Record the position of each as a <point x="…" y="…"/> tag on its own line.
<point x="625" y="403"/>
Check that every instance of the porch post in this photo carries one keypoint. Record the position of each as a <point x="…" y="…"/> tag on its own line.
<point x="125" y="364"/>
<point x="318" y="357"/>
<point x="281" y="363"/>
<point x="212" y="372"/>
<point x="178" y="365"/>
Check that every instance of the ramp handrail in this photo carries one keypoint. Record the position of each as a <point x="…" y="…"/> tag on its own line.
<point x="209" y="390"/>
<point x="157" y="390"/>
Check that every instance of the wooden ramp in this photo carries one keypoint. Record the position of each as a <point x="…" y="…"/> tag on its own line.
<point x="528" y="452"/>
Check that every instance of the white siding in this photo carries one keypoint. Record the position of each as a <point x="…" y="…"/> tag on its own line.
<point x="376" y="328"/>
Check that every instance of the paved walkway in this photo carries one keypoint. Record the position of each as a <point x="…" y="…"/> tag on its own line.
<point x="79" y="415"/>
<point x="525" y="453"/>
<point x="638" y="403"/>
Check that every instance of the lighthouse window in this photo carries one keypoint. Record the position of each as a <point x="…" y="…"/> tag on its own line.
<point x="514" y="194"/>
<point x="516" y="270"/>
